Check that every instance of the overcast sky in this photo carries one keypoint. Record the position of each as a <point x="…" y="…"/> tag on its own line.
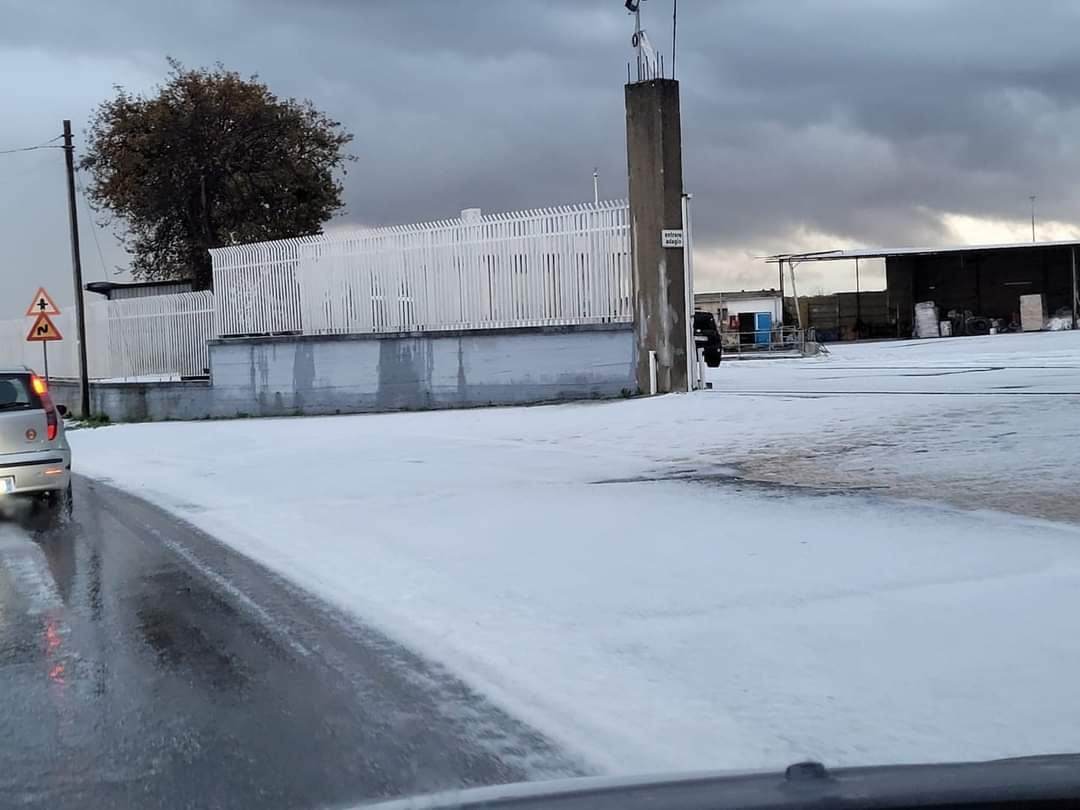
<point x="806" y="124"/>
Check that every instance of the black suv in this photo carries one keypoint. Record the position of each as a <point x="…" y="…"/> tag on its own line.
<point x="707" y="337"/>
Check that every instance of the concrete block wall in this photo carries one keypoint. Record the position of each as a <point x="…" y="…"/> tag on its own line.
<point x="139" y="402"/>
<point x="350" y="373"/>
<point x="281" y="376"/>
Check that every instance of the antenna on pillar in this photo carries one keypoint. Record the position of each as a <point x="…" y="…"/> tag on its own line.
<point x="674" y="28"/>
<point x="634" y="7"/>
<point x="649" y="65"/>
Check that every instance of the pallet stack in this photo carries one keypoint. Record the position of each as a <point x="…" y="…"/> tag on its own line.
<point x="1032" y="312"/>
<point x="926" y="320"/>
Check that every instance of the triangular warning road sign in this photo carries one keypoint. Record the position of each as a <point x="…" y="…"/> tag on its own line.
<point x="44" y="329"/>
<point x="43" y="304"/>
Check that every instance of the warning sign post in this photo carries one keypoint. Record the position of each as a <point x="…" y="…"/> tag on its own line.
<point x="43" y="304"/>
<point x="43" y="329"/>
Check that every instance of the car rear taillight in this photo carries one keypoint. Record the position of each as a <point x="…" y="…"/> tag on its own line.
<point x="52" y="425"/>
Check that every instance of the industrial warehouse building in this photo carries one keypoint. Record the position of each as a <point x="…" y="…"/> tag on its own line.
<point x="975" y="288"/>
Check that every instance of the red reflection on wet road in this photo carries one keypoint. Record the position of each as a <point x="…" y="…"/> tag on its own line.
<point x="52" y="635"/>
<point x="53" y="641"/>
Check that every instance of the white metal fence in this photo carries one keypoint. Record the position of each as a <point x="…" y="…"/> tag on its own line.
<point x="161" y="337"/>
<point x="551" y="266"/>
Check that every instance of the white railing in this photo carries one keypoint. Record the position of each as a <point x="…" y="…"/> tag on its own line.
<point x="160" y="337"/>
<point x="551" y="266"/>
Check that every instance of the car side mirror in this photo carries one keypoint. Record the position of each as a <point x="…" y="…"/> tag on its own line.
<point x="62" y="410"/>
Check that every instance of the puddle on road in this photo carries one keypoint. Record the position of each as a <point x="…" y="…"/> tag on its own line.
<point x="997" y="461"/>
<point x="738" y="480"/>
<point x="836" y="469"/>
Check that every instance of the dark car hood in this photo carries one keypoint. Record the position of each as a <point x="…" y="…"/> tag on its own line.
<point x="1038" y="778"/>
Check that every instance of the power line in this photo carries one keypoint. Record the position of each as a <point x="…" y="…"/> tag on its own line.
<point x="45" y="145"/>
<point x="97" y="244"/>
<point x="17" y="169"/>
<point x="93" y="226"/>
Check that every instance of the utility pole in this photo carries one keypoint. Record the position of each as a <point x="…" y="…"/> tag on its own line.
<point x="780" y="264"/>
<point x="795" y="292"/>
<point x="674" y="26"/>
<point x="76" y="271"/>
<point x="1076" y="293"/>
<point x="1032" y="198"/>
<point x="858" y="302"/>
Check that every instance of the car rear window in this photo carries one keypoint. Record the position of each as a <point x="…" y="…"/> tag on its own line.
<point x="16" y="393"/>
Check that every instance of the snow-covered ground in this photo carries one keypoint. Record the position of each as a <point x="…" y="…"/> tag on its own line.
<point x="988" y="422"/>
<point x="601" y="571"/>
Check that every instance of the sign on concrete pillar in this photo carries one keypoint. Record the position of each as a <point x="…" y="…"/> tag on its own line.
<point x="654" y="164"/>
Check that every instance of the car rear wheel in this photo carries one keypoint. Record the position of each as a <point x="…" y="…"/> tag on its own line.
<point x="712" y="357"/>
<point x="59" y="501"/>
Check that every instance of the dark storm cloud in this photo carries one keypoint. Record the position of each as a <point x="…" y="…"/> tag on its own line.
<point x="850" y="117"/>
<point x="860" y="119"/>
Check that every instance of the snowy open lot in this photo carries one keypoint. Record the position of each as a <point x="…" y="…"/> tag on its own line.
<point x="602" y="571"/>
<point x="987" y="422"/>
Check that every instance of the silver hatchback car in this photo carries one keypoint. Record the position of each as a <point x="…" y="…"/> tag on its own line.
<point x="35" y="458"/>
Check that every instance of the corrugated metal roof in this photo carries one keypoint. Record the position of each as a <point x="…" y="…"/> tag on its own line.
<point x="736" y="295"/>
<point x="881" y="253"/>
<point x="138" y="289"/>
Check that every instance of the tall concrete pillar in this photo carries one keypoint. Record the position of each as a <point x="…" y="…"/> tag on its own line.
<point x="654" y="163"/>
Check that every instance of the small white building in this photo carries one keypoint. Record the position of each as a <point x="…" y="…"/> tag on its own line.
<point x="743" y="311"/>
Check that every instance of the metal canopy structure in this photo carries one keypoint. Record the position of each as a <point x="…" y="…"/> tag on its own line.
<point x="884" y="253"/>
<point x="968" y="258"/>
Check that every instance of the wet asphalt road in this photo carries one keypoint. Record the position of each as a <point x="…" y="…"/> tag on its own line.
<point x="142" y="664"/>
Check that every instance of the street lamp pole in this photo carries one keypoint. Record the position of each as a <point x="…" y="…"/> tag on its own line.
<point x="1032" y="198"/>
